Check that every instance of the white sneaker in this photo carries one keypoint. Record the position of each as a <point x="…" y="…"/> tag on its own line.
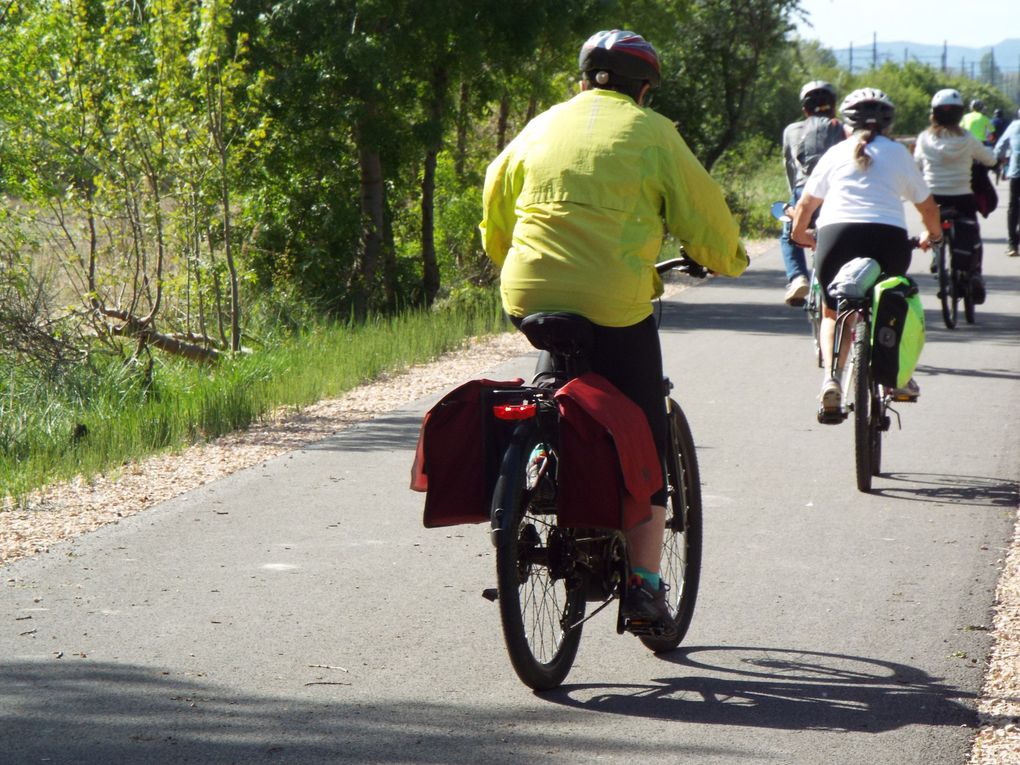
<point x="796" y="291"/>
<point x="832" y="394"/>
<point x="830" y="410"/>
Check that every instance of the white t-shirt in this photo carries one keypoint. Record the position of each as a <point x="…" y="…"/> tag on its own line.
<point x="874" y="195"/>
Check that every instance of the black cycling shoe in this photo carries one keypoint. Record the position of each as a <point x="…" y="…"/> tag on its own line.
<point x="645" y="611"/>
<point x="977" y="288"/>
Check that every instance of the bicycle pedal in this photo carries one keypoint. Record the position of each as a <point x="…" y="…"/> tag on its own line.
<point x="491" y="594"/>
<point x="827" y="417"/>
<point x="904" y="399"/>
<point x="643" y="628"/>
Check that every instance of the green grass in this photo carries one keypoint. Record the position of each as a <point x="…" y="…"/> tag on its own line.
<point x="753" y="177"/>
<point x="126" y="420"/>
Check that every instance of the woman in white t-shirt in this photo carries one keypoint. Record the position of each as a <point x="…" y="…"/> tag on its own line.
<point x="863" y="182"/>
<point x="945" y="152"/>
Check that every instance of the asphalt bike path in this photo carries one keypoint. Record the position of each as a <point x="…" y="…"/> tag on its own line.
<point x="298" y="612"/>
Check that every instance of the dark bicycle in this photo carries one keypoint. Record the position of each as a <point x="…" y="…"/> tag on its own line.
<point x="955" y="281"/>
<point x="870" y="402"/>
<point x="547" y="573"/>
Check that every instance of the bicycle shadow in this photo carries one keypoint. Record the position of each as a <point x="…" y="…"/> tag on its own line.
<point x="975" y="491"/>
<point x="784" y="689"/>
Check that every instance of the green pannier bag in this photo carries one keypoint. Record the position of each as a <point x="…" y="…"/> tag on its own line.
<point x="897" y="331"/>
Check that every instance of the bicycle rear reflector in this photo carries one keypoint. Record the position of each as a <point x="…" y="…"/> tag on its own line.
<point x="514" y="411"/>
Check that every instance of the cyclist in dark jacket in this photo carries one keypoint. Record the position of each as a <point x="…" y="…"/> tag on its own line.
<point x="804" y="142"/>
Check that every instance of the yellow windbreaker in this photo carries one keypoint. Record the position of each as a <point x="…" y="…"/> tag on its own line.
<point x="576" y="207"/>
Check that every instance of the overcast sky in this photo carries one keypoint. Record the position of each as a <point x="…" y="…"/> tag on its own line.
<point x="983" y="23"/>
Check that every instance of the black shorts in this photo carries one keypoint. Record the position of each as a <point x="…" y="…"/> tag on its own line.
<point x="631" y="359"/>
<point x="839" y="243"/>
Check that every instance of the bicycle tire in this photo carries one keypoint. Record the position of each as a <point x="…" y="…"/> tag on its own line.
<point x="813" y="310"/>
<point x="968" y="299"/>
<point x="864" y="419"/>
<point x="537" y="606"/>
<point x="877" y="413"/>
<point x="681" y="550"/>
<point x="947" y="283"/>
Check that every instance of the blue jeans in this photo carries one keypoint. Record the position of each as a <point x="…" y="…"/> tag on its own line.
<point x="793" y="256"/>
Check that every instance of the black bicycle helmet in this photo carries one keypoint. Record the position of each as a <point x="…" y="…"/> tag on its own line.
<point x="977" y="105"/>
<point x="622" y="53"/>
<point x="816" y="95"/>
<point x="868" y="108"/>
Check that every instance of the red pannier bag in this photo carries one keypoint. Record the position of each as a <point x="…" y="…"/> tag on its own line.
<point x="608" y="464"/>
<point x="454" y="463"/>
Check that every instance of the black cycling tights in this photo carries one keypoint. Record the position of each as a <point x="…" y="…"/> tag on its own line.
<point x="631" y="359"/>
<point x="839" y="243"/>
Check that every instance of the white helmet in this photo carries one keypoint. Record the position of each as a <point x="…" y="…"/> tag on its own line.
<point x="868" y="108"/>
<point x="947" y="97"/>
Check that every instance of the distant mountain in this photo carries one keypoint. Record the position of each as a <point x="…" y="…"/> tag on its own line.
<point x="957" y="57"/>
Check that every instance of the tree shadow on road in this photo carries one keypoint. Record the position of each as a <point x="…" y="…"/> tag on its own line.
<point x="96" y="713"/>
<point x="783" y="688"/>
<point x="977" y="491"/>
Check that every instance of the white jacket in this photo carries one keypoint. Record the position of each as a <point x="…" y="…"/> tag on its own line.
<point x="946" y="161"/>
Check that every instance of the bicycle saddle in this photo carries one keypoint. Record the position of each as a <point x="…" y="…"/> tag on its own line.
<point x="559" y="333"/>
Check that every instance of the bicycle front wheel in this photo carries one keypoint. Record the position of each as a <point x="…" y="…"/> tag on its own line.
<point x="681" y="550"/>
<point x="947" y="283"/>
<point x="539" y="601"/>
<point x="866" y="431"/>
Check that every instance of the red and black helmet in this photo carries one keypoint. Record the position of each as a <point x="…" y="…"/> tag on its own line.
<point x="622" y="53"/>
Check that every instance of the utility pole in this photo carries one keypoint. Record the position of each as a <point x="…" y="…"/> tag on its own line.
<point x="945" y="54"/>
<point x="874" y="50"/>
<point x="991" y="67"/>
<point x="851" y="58"/>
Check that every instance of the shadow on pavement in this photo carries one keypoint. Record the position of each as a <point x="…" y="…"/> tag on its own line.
<point x="388" y="432"/>
<point x="978" y="491"/>
<point x="77" y="711"/>
<point x="783" y="689"/>
<point x="775" y="318"/>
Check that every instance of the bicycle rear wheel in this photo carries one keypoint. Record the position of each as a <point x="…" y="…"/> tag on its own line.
<point x="947" y="283"/>
<point x="539" y="599"/>
<point x="681" y="550"/>
<point x="867" y="436"/>
<point x="966" y="290"/>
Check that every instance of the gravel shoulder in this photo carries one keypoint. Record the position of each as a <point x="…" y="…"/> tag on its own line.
<point x="64" y="511"/>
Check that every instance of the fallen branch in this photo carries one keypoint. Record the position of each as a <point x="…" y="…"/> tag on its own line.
<point x="132" y="326"/>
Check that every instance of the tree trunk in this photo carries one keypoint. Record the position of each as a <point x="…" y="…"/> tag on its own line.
<point x="373" y="207"/>
<point x="501" y="123"/>
<point x="430" y="268"/>
<point x="463" y="120"/>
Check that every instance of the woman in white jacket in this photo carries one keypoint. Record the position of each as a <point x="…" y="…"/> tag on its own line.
<point x="945" y="153"/>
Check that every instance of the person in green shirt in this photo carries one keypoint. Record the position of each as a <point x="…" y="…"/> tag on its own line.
<point x="976" y="122"/>
<point x="575" y="210"/>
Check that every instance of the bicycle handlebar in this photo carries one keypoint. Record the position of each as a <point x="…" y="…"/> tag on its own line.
<point x="683" y="265"/>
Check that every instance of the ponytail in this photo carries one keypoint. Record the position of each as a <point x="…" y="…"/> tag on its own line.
<point x="861" y="156"/>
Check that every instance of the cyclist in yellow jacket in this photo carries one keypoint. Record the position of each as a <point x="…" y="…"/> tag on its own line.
<point x="575" y="210"/>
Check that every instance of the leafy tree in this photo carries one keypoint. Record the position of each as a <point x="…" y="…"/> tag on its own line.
<point x="716" y="53"/>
